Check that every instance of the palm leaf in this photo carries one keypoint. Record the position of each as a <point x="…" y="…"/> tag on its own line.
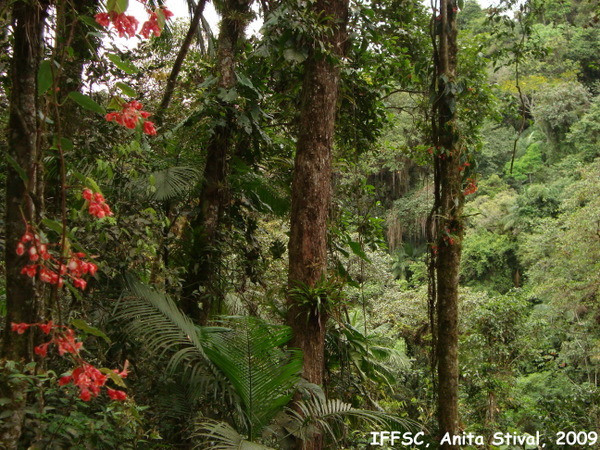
<point x="174" y="182"/>
<point x="221" y="436"/>
<point x="315" y="414"/>
<point x="262" y="375"/>
<point x="155" y="319"/>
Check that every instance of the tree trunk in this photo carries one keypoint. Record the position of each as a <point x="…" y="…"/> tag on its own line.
<point x="24" y="201"/>
<point x="447" y="217"/>
<point x="183" y="51"/>
<point x="201" y="290"/>
<point x="311" y="192"/>
<point x="24" y="193"/>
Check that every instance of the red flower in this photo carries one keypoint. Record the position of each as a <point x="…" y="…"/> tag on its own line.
<point x="103" y="19"/>
<point x="80" y="283"/>
<point x="20" y="248"/>
<point x="66" y="343"/>
<point x="87" y="193"/>
<point x="46" y="327"/>
<point x="151" y="27"/>
<point x="149" y="128"/>
<point x="29" y="270"/>
<point x="20" y="328"/>
<point x="42" y="349"/>
<point x="115" y="394"/>
<point x="65" y="380"/>
<point x="97" y="205"/>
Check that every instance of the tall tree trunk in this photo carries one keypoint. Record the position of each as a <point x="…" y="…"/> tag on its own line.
<point x="24" y="200"/>
<point x="447" y="217"/>
<point x="311" y="192"/>
<point x="201" y="289"/>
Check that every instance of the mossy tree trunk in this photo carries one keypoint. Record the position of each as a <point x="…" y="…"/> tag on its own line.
<point x="447" y="218"/>
<point x="24" y="201"/>
<point x="311" y="192"/>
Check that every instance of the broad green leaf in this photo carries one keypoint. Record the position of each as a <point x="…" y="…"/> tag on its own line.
<point x="90" y="21"/>
<point x="15" y="165"/>
<point x="113" y="376"/>
<point x="85" y="101"/>
<point x="53" y="225"/>
<point x="126" y="89"/>
<point x="83" y="326"/>
<point x="125" y="66"/>
<point x="45" y="76"/>
<point x="92" y="184"/>
<point x="66" y="144"/>
<point x="358" y="251"/>
<point x="119" y="6"/>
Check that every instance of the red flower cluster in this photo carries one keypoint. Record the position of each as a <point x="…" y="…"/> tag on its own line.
<point x="50" y="269"/>
<point x="463" y="166"/>
<point x="471" y="187"/>
<point x="85" y="376"/>
<point x="127" y="25"/>
<point x="130" y="115"/>
<point x="152" y="25"/>
<point x="97" y="204"/>
<point x="124" y="24"/>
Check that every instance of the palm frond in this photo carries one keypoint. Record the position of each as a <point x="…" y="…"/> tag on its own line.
<point x="221" y="436"/>
<point x="317" y="414"/>
<point x="261" y="373"/>
<point x="156" y="320"/>
<point x="173" y="182"/>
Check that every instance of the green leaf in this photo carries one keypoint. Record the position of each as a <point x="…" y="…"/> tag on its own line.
<point x="125" y="66"/>
<point x="119" y="6"/>
<point x="89" y="21"/>
<point x="358" y="251"/>
<point x="126" y="89"/>
<point x="15" y="165"/>
<point x="113" y="376"/>
<point x="66" y="144"/>
<point x="85" y="101"/>
<point x="53" y="225"/>
<point x="83" y="326"/>
<point x="293" y="55"/>
<point x="45" y="77"/>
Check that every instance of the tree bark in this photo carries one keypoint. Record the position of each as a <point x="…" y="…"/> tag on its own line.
<point x="24" y="202"/>
<point x="183" y="51"/>
<point x="201" y="291"/>
<point x="311" y="193"/>
<point x="447" y="217"/>
<point x="24" y="192"/>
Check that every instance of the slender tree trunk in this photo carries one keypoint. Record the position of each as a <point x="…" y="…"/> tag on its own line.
<point x="448" y="219"/>
<point x="183" y="51"/>
<point x="201" y="290"/>
<point x="311" y="192"/>
<point x="24" y="201"/>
